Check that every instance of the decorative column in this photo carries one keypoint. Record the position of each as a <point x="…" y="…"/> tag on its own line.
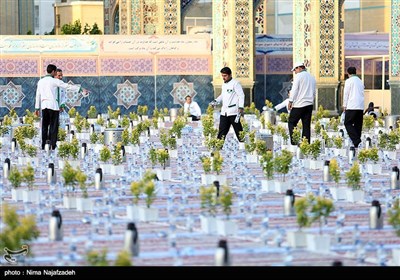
<point x="394" y="58"/>
<point x="233" y="43"/>
<point x="318" y="36"/>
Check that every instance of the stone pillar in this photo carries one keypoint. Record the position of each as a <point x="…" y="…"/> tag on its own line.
<point x="394" y="57"/>
<point x="150" y="17"/>
<point x="318" y="36"/>
<point x="233" y="43"/>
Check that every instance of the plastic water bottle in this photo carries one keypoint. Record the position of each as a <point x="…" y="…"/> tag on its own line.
<point x="237" y="119"/>
<point x="63" y="119"/>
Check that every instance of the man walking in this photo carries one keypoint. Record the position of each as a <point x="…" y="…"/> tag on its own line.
<point x="301" y="101"/>
<point x="46" y="100"/>
<point x="232" y="98"/>
<point x="353" y="106"/>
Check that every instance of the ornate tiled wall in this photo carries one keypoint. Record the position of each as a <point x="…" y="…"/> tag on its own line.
<point x="327" y="39"/>
<point x="395" y="35"/>
<point x="109" y="90"/>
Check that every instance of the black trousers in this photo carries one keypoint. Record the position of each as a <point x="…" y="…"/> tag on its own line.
<point x="304" y="114"/>
<point x="50" y="122"/>
<point x="225" y="123"/>
<point x="194" y="118"/>
<point x="353" y="121"/>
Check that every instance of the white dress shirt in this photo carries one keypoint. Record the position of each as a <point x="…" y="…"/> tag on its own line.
<point x="303" y="90"/>
<point x="232" y="98"/>
<point x="193" y="109"/>
<point x="353" y="97"/>
<point x="46" y="92"/>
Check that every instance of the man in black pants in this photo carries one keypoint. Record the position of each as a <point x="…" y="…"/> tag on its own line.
<point x="46" y="99"/>
<point x="353" y="105"/>
<point x="301" y="101"/>
<point x="232" y="98"/>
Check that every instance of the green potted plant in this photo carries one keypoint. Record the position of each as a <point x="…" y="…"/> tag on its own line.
<point x="105" y="156"/>
<point x="92" y="113"/>
<point x="163" y="158"/>
<point x="16" y="232"/>
<point x="148" y="214"/>
<point x="117" y="158"/>
<point x="310" y="209"/>
<point x="267" y="165"/>
<point x="28" y="177"/>
<point x="394" y="221"/>
<point x="369" y="158"/>
<point x="68" y="151"/>
<point x="83" y="203"/>
<point x="69" y="175"/>
<point x="353" y="177"/>
<point x="338" y="193"/>
<point x="123" y="259"/>
<point x="226" y="226"/>
<point x="144" y="187"/>
<point x="95" y="258"/>
<point x="142" y="111"/>
<point x="15" y="179"/>
<point x="208" y="205"/>
<point x="282" y="165"/>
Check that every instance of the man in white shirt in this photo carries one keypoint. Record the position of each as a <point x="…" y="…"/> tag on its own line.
<point x="232" y="98"/>
<point x="191" y="108"/>
<point x="60" y="91"/>
<point x="46" y="100"/>
<point x="353" y="106"/>
<point x="301" y="101"/>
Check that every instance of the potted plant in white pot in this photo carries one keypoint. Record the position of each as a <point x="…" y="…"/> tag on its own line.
<point x="282" y="165"/>
<point x="117" y="167"/>
<point x="267" y="165"/>
<point x="163" y="174"/>
<point x="132" y="211"/>
<point x="148" y="214"/>
<point x="354" y="193"/>
<point x="15" y="179"/>
<point x="297" y="239"/>
<point x="68" y="152"/>
<point x="338" y="193"/>
<point x="105" y="157"/>
<point x="321" y="208"/>
<point x="70" y="181"/>
<point x="208" y="204"/>
<point x="83" y="203"/>
<point x="28" y="176"/>
<point x="207" y="178"/>
<point x="394" y="221"/>
<point x="369" y="159"/>
<point x="226" y="226"/>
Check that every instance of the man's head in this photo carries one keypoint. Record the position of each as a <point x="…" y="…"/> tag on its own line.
<point x="59" y="74"/>
<point x="226" y="74"/>
<point x="351" y="70"/>
<point x="298" y="67"/>
<point x="51" y="69"/>
<point x="188" y="99"/>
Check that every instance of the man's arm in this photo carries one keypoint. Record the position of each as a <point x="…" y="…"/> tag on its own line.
<point x="37" y="102"/>
<point x="239" y="91"/>
<point x="197" y="109"/>
<point x="282" y="105"/>
<point x="346" y="93"/>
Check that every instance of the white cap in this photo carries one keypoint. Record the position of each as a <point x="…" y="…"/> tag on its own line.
<point x="297" y="64"/>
